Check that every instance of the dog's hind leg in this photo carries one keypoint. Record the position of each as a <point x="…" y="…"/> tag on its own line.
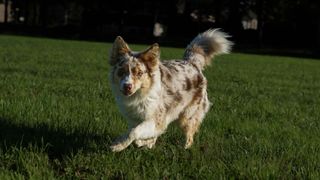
<point x="191" y="119"/>
<point x="190" y="126"/>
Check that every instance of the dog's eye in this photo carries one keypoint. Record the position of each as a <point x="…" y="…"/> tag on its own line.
<point x="140" y="73"/>
<point x="121" y="72"/>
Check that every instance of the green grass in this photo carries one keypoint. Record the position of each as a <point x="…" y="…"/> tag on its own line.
<point x="58" y="117"/>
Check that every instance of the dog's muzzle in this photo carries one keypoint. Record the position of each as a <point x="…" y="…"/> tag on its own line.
<point x="127" y="89"/>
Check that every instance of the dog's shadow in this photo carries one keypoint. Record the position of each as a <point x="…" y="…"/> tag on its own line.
<point x="56" y="142"/>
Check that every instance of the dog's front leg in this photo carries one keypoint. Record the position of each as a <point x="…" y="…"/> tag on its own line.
<point x="146" y="142"/>
<point x="120" y="145"/>
<point x="145" y="130"/>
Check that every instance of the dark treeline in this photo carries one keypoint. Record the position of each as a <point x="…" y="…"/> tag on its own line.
<point x="252" y="23"/>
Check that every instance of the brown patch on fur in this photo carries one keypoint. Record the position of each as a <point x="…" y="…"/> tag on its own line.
<point x="198" y="80"/>
<point x="188" y="84"/>
<point x="175" y="68"/>
<point x="123" y="50"/>
<point x="199" y="83"/>
<point x="181" y="66"/>
<point x="199" y="50"/>
<point x="177" y="97"/>
<point x="146" y="84"/>
<point x="150" y="57"/>
<point x="195" y="66"/>
<point x="169" y="76"/>
<point x="137" y="72"/>
<point x="166" y="76"/>
<point x="197" y="96"/>
<point x="170" y="92"/>
<point x="195" y="82"/>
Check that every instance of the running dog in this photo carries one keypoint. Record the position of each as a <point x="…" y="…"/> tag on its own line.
<point x="151" y="93"/>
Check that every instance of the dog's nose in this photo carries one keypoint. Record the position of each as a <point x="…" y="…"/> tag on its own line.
<point x="127" y="87"/>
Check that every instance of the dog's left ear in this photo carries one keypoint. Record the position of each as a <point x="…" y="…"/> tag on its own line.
<point x="120" y="47"/>
<point x="151" y="57"/>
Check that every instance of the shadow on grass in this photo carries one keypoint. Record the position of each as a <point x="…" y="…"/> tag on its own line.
<point x="56" y="142"/>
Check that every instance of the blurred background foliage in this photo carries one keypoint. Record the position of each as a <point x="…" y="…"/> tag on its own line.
<point x="253" y="24"/>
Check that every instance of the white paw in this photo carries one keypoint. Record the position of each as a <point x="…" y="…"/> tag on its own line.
<point x="139" y="143"/>
<point x="151" y="145"/>
<point x="188" y="144"/>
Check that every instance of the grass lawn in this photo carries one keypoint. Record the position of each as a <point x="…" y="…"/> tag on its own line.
<point x="58" y="117"/>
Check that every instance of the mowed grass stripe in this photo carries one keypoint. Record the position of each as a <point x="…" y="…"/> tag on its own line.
<point x="58" y="117"/>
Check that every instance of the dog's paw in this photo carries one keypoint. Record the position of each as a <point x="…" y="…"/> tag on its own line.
<point x="140" y="143"/>
<point x="188" y="144"/>
<point x="150" y="146"/>
<point x="149" y="143"/>
<point x="117" y="147"/>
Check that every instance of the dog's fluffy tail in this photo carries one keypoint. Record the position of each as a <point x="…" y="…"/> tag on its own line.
<point x="206" y="45"/>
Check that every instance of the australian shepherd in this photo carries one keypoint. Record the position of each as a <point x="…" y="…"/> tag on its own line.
<point x="152" y="93"/>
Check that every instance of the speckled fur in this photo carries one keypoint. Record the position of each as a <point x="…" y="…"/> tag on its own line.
<point x="163" y="91"/>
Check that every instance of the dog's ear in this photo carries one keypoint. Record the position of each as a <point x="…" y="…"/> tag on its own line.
<point x="150" y="57"/>
<point x="120" y="47"/>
